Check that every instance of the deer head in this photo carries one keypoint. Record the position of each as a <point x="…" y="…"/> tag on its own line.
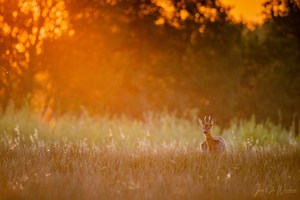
<point x="207" y="123"/>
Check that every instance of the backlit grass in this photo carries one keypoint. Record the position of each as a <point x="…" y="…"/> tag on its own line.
<point x="154" y="158"/>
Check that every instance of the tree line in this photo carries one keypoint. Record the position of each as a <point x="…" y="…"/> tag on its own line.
<point x="130" y="57"/>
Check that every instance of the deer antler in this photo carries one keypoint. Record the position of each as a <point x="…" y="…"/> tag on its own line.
<point x="212" y="121"/>
<point x="208" y="119"/>
<point x="205" y="119"/>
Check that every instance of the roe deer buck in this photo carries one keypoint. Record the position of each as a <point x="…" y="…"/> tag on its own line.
<point x="211" y="143"/>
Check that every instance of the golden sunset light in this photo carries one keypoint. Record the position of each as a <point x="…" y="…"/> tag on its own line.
<point x="249" y="10"/>
<point x="149" y="99"/>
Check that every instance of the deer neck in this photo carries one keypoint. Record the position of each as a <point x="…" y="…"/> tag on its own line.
<point x="208" y="136"/>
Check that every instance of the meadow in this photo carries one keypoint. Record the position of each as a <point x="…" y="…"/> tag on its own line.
<point x="157" y="157"/>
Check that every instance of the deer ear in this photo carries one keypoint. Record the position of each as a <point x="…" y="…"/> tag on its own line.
<point x="200" y="122"/>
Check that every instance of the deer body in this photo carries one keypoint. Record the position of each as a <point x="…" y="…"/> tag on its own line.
<point x="211" y="143"/>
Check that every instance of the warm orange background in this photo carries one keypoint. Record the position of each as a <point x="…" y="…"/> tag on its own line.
<point x="250" y="10"/>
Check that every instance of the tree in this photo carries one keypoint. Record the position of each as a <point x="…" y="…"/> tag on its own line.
<point x="284" y="17"/>
<point x="270" y="84"/>
<point x="24" y="27"/>
<point x="147" y="54"/>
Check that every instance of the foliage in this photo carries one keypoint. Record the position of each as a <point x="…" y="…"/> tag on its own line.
<point x="25" y="25"/>
<point x="130" y="57"/>
<point x="270" y="83"/>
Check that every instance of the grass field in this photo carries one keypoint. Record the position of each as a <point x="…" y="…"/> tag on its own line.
<point x="155" y="158"/>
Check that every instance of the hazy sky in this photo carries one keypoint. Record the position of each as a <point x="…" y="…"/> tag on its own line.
<point x="247" y="9"/>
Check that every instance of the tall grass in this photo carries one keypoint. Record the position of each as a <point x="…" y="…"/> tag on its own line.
<point x="155" y="158"/>
<point x="153" y="129"/>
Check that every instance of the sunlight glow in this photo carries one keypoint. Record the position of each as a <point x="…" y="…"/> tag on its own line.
<point x="168" y="9"/>
<point x="184" y="14"/>
<point x="28" y="30"/>
<point x="248" y="10"/>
